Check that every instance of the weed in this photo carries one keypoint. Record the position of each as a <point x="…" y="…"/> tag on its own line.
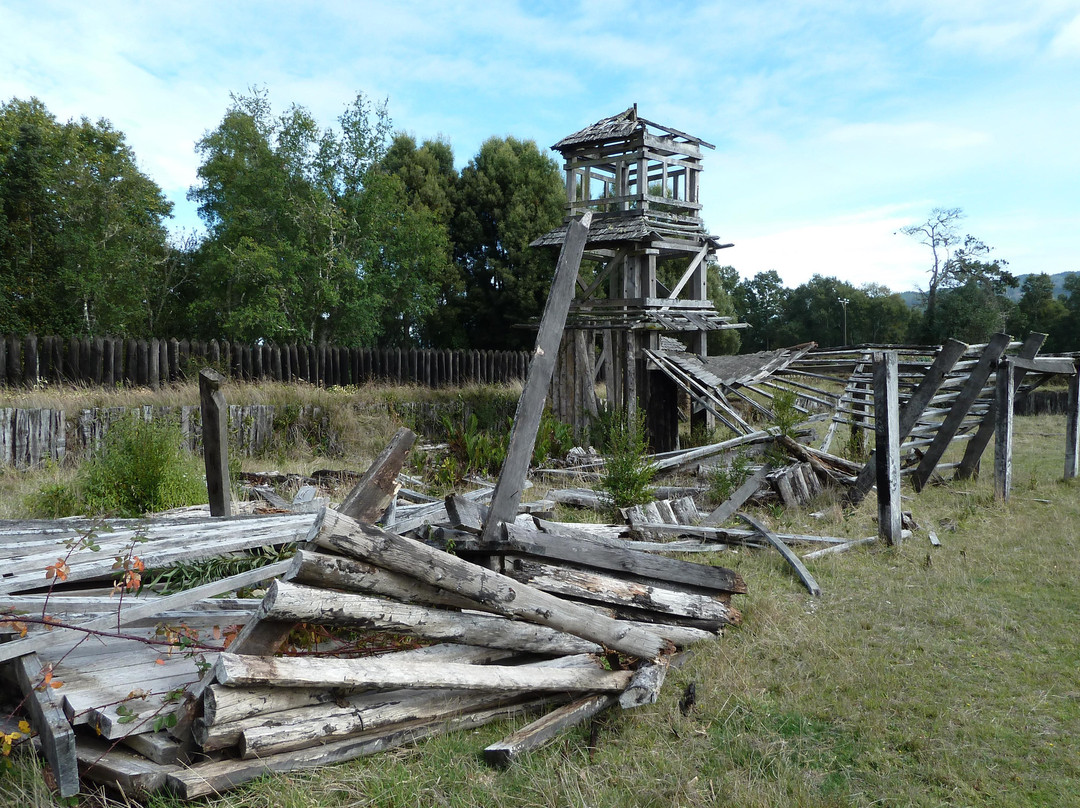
<point x="724" y="480"/>
<point x="785" y="414"/>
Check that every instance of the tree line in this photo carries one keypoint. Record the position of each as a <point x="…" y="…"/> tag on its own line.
<point x="357" y="235"/>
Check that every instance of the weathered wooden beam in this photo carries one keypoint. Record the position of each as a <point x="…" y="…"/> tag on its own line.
<point x="785" y="551"/>
<point x="1006" y="387"/>
<point x="235" y="670"/>
<point x="530" y="407"/>
<point x="215" y="423"/>
<point x="973" y="452"/>
<point x="913" y="408"/>
<point x="377" y="488"/>
<point x="48" y="719"/>
<point x="496" y="592"/>
<point x="645" y="565"/>
<point x="534" y="735"/>
<point x="959" y="410"/>
<point x="839" y="548"/>
<point x="887" y="445"/>
<point x="302" y="604"/>
<point x="210" y="778"/>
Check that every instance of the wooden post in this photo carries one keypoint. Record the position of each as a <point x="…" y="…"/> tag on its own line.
<point x="1072" y="429"/>
<point x="215" y="418"/>
<point x="1006" y="386"/>
<point x="52" y="726"/>
<point x="530" y="407"/>
<point x="30" y="360"/>
<point x="377" y="488"/>
<point x="887" y="444"/>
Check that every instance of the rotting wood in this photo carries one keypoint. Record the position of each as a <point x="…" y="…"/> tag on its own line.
<point x="534" y="735"/>
<point x="592" y="586"/>
<point x="534" y="394"/>
<point x="376" y="489"/>
<point x="216" y="776"/>
<point x="49" y="721"/>
<point x="546" y="545"/>
<point x="236" y="670"/>
<point x="497" y="592"/>
<point x="302" y="604"/>
<point x="749" y="487"/>
<point x="839" y="548"/>
<point x="1072" y="429"/>
<point x="644" y="688"/>
<point x="785" y="551"/>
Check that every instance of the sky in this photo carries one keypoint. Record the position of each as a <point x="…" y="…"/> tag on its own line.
<point x="835" y="123"/>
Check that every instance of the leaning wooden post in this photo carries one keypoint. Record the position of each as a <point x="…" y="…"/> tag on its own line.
<point x="215" y="420"/>
<point x="1072" y="429"/>
<point x="1006" y="385"/>
<point x="887" y="445"/>
<point x="530" y="407"/>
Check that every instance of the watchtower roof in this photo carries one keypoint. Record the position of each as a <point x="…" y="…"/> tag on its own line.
<point x="622" y="127"/>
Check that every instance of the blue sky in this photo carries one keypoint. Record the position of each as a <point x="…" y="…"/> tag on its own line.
<point x="836" y="123"/>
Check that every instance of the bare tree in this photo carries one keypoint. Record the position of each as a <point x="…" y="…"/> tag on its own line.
<point x="939" y="233"/>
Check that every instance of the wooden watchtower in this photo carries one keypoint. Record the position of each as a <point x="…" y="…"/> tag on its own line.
<point x="641" y="180"/>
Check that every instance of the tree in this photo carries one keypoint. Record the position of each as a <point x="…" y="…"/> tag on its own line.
<point x="82" y="240"/>
<point x="760" y="302"/>
<point x="308" y="237"/>
<point x="956" y="262"/>
<point x="508" y="195"/>
<point x="1038" y="310"/>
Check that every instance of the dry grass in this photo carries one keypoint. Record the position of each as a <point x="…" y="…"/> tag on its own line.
<point x="923" y="677"/>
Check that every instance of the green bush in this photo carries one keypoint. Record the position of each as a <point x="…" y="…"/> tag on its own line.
<point x="140" y="468"/>
<point x="725" y="480"/>
<point x="627" y="471"/>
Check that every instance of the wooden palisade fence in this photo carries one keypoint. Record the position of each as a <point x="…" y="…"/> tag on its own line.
<point x="107" y="361"/>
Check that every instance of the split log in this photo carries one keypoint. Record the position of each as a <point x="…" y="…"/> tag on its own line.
<point x="377" y="488"/>
<point x="591" y="586"/>
<point x="236" y="670"/>
<point x="644" y="688"/>
<point x="539" y="732"/>
<point x="545" y="545"/>
<point x="496" y="592"/>
<point x="210" y="778"/>
<point x="301" y="604"/>
<point x="749" y="487"/>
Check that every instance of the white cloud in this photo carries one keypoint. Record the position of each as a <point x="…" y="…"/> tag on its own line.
<point x="1066" y="42"/>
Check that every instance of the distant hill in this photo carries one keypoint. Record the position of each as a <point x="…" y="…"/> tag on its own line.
<point x="915" y="299"/>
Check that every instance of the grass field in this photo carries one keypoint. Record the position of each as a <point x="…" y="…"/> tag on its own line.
<point x="923" y="676"/>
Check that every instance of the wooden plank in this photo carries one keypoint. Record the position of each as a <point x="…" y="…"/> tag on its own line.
<point x="785" y="551"/>
<point x="37" y="642"/>
<point x="887" y="446"/>
<point x="959" y="410"/>
<point x="236" y="670"/>
<point x="973" y="452"/>
<point x="533" y="736"/>
<point x="50" y="722"/>
<point x="113" y="766"/>
<point x="377" y="488"/>
<point x="497" y="592"/>
<point x="534" y="395"/>
<point x="839" y="548"/>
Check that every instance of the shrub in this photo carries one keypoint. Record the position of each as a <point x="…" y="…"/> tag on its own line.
<point x="627" y="471"/>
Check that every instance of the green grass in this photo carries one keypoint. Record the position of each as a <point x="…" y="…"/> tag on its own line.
<point x="922" y="677"/>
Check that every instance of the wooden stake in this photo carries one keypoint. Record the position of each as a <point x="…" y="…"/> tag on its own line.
<point x="377" y="488"/>
<point x="1072" y="429"/>
<point x="887" y="445"/>
<point x="1006" y="386"/>
<point x="215" y="422"/>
